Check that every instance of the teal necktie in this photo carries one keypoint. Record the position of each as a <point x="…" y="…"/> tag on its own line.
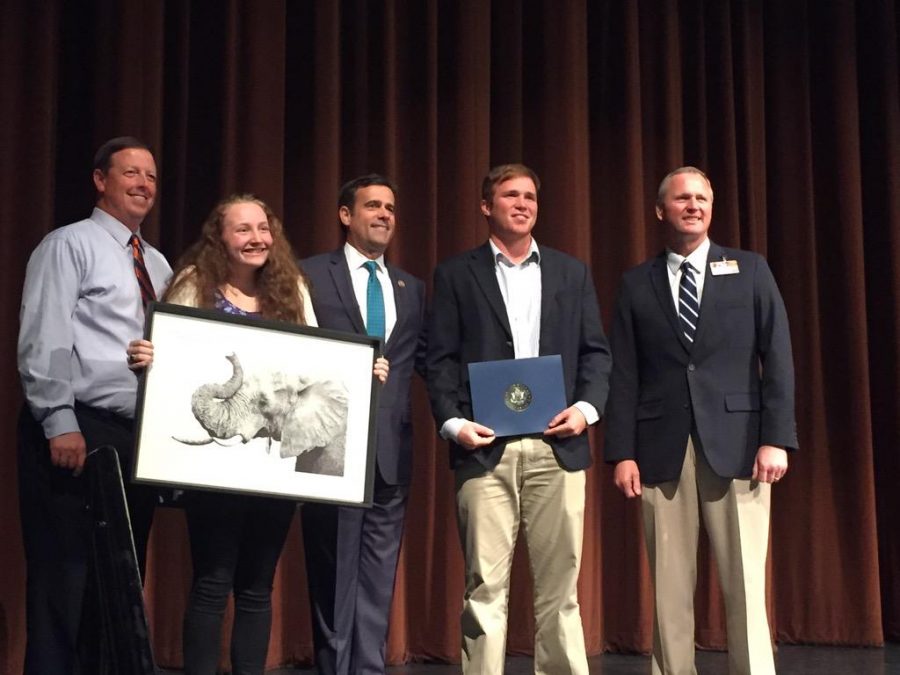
<point x="374" y="302"/>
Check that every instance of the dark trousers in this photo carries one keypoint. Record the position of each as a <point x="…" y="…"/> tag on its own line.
<point x="236" y="541"/>
<point x="351" y="562"/>
<point x="61" y="625"/>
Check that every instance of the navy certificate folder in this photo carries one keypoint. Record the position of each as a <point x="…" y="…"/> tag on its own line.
<point x="515" y="397"/>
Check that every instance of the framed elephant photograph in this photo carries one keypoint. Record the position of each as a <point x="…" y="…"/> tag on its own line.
<point x="240" y="404"/>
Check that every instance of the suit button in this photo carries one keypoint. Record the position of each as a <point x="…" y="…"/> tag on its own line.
<point x="685" y="406"/>
<point x="691" y="367"/>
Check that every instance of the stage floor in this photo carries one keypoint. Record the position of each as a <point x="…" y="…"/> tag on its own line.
<point x="791" y="660"/>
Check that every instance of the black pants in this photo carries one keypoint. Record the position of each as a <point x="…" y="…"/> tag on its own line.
<point x="236" y="541"/>
<point x="61" y="630"/>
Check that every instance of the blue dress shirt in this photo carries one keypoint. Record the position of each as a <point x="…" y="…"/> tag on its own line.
<point x="81" y="306"/>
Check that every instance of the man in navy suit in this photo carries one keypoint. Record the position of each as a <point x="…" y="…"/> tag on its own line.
<point x="511" y="298"/>
<point x="699" y="421"/>
<point x="351" y="553"/>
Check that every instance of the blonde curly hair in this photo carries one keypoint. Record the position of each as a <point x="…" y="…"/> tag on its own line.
<point x="205" y="266"/>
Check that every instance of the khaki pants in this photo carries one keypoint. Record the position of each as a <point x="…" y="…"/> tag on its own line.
<point x="527" y="486"/>
<point x="736" y="515"/>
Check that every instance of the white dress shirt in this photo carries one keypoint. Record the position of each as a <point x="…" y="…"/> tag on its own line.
<point x="697" y="259"/>
<point x="359" y="276"/>
<point x="520" y="286"/>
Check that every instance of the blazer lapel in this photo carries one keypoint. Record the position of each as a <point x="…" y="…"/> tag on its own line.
<point x="398" y="288"/>
<point x="709" y="298"/>
<point x="551" y="279"/>
<point x="659" y="277"/>
<point x="340" y="275"/>
<point x="482" y="265"/>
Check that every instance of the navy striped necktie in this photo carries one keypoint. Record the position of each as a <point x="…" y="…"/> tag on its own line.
<point x="140" y="271"/>
<point x="374" y="302"/>
<point x="688" y="302"/>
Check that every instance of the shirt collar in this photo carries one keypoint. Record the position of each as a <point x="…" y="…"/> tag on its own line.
<point x="534" y="254"/>
<point x="116" y="228"/>
<point x="355" y="259"/>
<point x="697" y="258"/>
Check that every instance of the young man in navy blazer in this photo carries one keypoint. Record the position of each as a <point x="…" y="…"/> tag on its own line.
<point x="699" y="421"/>
<point x="511" y="298"/>
<point x="351" y="553"/>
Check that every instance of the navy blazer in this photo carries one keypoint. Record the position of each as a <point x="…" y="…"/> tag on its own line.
<point x="469" y="323"/>
<point x="335" y="305"/>
<point x="735" y="384"/>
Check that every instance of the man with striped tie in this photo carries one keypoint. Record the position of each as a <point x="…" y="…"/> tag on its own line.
<point x="699" y="421"/>
<point x="86" y="287"/>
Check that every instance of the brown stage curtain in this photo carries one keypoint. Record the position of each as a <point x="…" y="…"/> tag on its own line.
<point x="792" y="108"/>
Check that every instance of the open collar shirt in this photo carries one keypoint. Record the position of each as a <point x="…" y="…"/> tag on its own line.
<point x="520" y="286"/>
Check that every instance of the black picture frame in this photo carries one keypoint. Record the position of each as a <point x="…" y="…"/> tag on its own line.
<point x="252" y="406"/>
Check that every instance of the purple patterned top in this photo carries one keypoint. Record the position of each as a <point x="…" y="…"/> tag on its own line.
<point x="225" y="305"/>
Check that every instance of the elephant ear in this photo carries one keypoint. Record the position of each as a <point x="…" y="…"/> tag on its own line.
<point x="318" y="418"/>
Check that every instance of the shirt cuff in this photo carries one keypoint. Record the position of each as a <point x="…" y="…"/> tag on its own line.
<point x="451" y="428"/>
<point x="60" y="422"/>
<point x="590" y="412"/>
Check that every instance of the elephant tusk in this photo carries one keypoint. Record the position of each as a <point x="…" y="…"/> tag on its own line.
<point x="189" y="441"/>
<point x="225" y="442"/>
<point x="229" y="442"/>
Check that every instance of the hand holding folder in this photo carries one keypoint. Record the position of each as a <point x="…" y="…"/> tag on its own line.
<point x="517" y="397"/>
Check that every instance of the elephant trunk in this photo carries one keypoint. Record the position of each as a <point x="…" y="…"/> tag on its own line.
<point x="216" y="406"/>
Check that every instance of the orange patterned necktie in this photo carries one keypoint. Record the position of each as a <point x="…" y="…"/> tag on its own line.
<point x="140" y="271"/>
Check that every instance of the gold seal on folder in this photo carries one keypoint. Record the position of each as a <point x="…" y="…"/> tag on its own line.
<point x="517" y="397"/>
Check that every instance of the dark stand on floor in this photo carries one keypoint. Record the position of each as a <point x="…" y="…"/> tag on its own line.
<point x="124" y="632"/>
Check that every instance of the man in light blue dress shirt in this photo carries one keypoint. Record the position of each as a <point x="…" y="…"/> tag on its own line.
<point x="81" y="306"/>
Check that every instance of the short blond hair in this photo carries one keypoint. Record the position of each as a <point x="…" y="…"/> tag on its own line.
<point x="664" y="184"/>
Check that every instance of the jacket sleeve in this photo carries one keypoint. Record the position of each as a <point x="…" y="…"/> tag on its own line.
<point x="442" y="356"/>
<point x="594" y="357"/>
<point x="186" y="293"/>
<point x="777" y="421"/>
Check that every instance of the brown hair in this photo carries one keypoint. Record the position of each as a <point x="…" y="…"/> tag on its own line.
<point x="504" y="172"/>
<point x="103" y="156"/>
<point x="277" y="281"/>
<point x="347" y="193"/>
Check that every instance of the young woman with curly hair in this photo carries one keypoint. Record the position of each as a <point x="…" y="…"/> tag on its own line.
<point x="216" y="266"/>
<point x="242" y="264"/>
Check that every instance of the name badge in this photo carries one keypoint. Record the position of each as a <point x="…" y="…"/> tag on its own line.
<point x="722" y="267"/>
